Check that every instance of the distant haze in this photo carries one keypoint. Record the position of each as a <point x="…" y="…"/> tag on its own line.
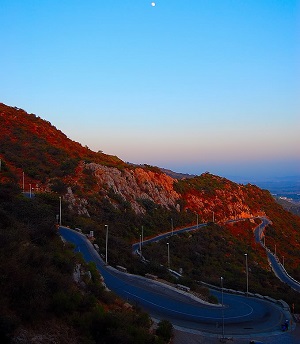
<point x="191" y="86"/>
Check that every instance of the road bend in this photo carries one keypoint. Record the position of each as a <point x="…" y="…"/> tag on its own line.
<point x="241" y="315"/>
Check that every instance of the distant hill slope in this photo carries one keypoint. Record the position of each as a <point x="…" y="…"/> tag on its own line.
<point x="289" y="205"/>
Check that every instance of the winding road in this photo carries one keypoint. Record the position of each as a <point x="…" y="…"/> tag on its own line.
<point x="240" y="315"/>
<point x="277" y="267"/>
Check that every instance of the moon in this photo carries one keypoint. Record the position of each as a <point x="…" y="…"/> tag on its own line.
<point x="153" y="4"/>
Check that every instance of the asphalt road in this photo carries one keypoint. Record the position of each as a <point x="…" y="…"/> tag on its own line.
<point x="136" y="246"/>
<point x="242" y="315"/>
<point x="277" y="267"/>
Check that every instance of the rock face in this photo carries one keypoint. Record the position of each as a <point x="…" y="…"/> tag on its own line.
<point x="132" y="185"/>
<point x="223" y="201"/>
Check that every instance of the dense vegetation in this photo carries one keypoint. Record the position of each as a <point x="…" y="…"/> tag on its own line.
<point x="215" y="251"/>
<point x="38" y="294"/>
<point x="27" y="139"/>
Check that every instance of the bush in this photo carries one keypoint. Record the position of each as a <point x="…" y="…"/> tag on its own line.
<point x="165" y="330"/>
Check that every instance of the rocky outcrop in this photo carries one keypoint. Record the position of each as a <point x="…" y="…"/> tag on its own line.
<point x="222" y="202"/>
<point x="131" y="185"/>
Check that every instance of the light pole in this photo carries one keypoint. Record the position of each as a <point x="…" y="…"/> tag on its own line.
<point x="247" y="271"/>
<point x="140" y="244"/>
<point x="223" y="339"/>
<point x="106" y="242"/>
<point x="60" y="210"/>
<point x="29" y="190"/>
<point x="168" y="245"/>
<point x="213" y="214"/>
<point x="197" y="221"/>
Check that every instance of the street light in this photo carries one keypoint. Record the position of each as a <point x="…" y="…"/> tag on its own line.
<point x="140" y="244"/>
<point x="59" y="210"/>
<point x="106" y="242"/>
<point x="247" y="271"/>
<point x="223" y="338"/>
<point x="213" y="214"/>
<point x="29" y="190"/>
<point x="168" y="255"/>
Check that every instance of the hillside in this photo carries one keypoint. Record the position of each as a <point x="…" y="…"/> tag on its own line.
<point x="98" y="189"/>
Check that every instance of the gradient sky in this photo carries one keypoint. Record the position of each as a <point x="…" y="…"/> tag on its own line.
<point x="190" y="85"/>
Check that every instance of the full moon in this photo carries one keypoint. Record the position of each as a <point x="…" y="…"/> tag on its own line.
<point x="152" y="4"/>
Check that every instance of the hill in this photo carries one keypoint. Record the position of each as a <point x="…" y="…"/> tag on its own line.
<point x="98" y="189"/>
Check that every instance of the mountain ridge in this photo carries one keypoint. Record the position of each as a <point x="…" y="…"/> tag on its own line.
<point x="26" y="138"/>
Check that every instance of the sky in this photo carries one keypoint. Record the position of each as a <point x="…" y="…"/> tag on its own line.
<point x="190" y="85"/>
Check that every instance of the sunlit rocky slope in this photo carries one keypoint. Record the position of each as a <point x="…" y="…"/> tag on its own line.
<point x="52" y="162"/>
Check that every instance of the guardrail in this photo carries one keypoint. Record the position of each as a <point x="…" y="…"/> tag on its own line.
<point x="280" y="302"/>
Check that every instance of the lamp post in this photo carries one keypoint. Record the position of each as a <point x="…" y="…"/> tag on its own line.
<point x="247" y="276"/>
<point x="29" y="190"/>
<point x="213" y="218"/>
<point x="197" y="221"/>
<point x="140" y="244"/>
<point x="223" y="339"/>
<point x="168" y="245"/>
<point x="60" y="210"/>
<point x="106" y="242"/>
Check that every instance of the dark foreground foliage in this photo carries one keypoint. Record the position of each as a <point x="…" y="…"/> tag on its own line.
<point x="38" y="295"/>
